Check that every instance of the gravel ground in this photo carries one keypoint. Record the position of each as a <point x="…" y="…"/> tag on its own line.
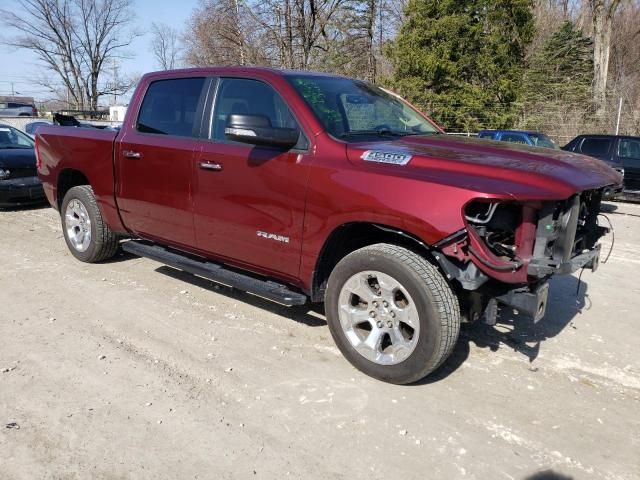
<point x="130" y="369"/>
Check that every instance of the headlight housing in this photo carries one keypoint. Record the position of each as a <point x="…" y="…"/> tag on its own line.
<point x="4" y="174"/>
<point x="496" y="223"/>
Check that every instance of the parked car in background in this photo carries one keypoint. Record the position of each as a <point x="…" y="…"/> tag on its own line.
<point x="19" y="183"/>
<point x="11" y="106"/>
<point x="533" y="139"/>
<point x="618" y="151"/>
<point x="31" y="128"/>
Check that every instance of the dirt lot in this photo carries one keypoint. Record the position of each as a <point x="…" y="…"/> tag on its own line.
<point x="133" y="370"/>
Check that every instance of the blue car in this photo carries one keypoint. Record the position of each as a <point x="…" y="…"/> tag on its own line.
<point x="534" y="139"/>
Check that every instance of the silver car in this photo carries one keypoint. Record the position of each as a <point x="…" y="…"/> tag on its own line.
<point x="17" y="107"/>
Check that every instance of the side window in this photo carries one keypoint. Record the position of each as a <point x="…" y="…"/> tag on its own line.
<point x="595" y="147"/>
<point x="486" y="135"/>
<point x="240" y="95"/>
<point x="629" y="150"/>
<point x="169" y="107"/>
<point x="513" y="138"/>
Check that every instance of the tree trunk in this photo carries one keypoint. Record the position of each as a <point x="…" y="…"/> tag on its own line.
<point x="371" y="54"/>
<point x="239" y="33"/>
<point x="95" y="93"/>
<point x="602" y="13"/>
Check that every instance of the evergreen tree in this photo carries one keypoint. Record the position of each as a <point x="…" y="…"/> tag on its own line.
<point x="559" y="77"/>
<point x="462" y="61"/>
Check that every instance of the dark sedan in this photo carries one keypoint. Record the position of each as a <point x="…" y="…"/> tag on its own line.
<point x="19" y="183"/>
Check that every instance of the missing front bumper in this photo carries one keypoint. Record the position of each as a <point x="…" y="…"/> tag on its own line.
<point x="543" y="268"/>
<point x="527" y="301"/>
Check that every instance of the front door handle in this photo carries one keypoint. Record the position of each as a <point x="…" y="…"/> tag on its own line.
<point x="215" y="166"/>
<point x="131" y="154"/>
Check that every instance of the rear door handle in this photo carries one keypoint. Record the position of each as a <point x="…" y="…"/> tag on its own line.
<point x="131" y="154"/>
<point x="215" y="166"/>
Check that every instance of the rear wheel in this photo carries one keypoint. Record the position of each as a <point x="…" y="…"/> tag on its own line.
<point x="89" y="239"/>
<point x="391" y="313"/>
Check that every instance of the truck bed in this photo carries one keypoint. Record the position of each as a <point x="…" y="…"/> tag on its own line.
<point x="64" y="152"/>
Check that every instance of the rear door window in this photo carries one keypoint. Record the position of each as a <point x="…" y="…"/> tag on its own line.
<point x="541" y="140"/>
<point x="514" y="138"/>
<point x="596" y="147"/>
<point x="172" y="107"/>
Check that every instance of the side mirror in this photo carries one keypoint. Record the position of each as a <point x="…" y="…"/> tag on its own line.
<point x="257" y="130"/>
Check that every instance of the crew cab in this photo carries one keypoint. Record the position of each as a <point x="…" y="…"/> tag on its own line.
<point x="305" y="187"/>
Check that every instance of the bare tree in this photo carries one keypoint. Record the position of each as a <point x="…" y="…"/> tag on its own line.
<point x="296" y="29"/>
<point x="602" y="15"/>
<point x="371" y="8"/>
<point x="223" y="32"/>
<point x="75" y="39"/>
<point x="624" y="68"/>
<point x="165" y="45"/>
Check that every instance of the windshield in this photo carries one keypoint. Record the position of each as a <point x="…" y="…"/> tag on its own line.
<point x="353" y="108"/>
<point x="12" y="138"/>
<point x="541" y="140"/>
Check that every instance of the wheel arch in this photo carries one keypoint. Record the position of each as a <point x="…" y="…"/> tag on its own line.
<point x="352" y="236"/>
<point x="67" y="179"/>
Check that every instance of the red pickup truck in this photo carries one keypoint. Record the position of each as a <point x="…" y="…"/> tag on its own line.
<point x="298" y="186"/>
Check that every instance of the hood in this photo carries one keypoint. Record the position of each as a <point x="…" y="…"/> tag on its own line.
<point x="17" y="158"/>
<point x="490" y="167"/>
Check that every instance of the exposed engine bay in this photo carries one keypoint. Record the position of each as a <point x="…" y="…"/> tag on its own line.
<point x="522" y="244"/>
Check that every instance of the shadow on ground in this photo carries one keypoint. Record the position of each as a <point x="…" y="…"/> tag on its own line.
<point x="512" y="331"/>
<point x="520" y="333"/>
<point x="121" y="256"/>
<point x="310" y="314"/>
<point x="548" y="475"/>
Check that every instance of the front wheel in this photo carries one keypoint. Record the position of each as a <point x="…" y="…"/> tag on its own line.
<point x="88" y="237"/>
<point x="391" y="313"/>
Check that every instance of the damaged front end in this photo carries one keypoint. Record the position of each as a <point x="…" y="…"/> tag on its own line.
<point x="508" y="250"/>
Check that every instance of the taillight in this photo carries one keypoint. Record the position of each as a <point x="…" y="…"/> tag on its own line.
<point x="38" y="161"/>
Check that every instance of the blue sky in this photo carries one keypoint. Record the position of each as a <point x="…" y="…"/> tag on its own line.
<point x="19" y="67"/>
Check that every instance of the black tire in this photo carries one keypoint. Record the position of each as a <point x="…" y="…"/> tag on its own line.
<point x="104" y="243"/>
<point x="436" y="305"/>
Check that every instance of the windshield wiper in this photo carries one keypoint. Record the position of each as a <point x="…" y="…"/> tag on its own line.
<point x="381" y="132"/>
<point x="422" y="133"/>
<point x="14" y="147"/>
<point x="384" y="132"/>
